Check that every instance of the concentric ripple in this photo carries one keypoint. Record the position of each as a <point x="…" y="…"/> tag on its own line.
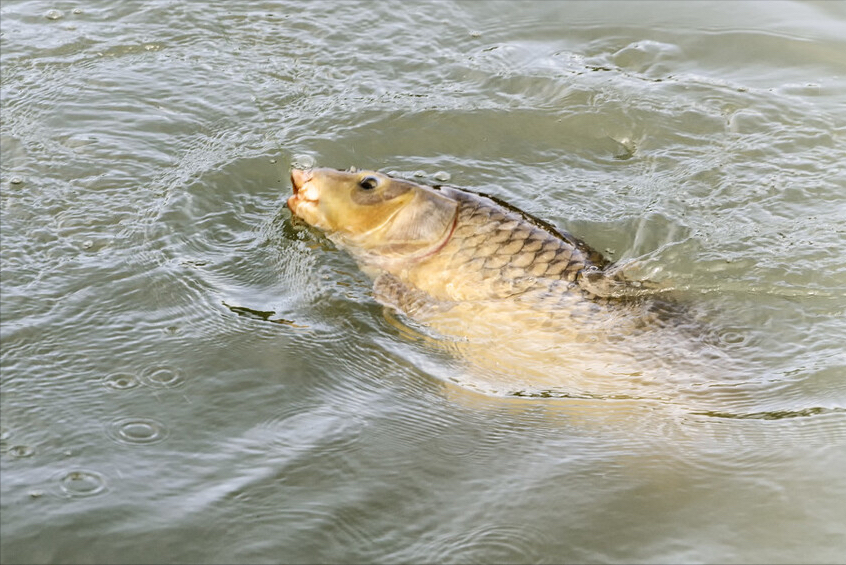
<point x="455" y="441"/>
<point x="494" y="544"/>
<point x="81" y="484"/>
<point x="137" y="431"/>
<point x="162" y="377"/>
<point x="120" y="381"/>
<point x="320" y="428"/>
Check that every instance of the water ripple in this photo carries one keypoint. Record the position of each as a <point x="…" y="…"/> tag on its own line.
<point x="318" y="432"/>
<point x="120" y="381"/>
<point x="302" y="430"/>
<point x="162" y="376"/>
<point x="772" y="414"/>
<point x="137" y="431"/>
<point x="81" y="484"/>
<point x="492" y="544"/>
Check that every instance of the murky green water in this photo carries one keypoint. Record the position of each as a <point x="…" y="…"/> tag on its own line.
<point x="188" y="377"/>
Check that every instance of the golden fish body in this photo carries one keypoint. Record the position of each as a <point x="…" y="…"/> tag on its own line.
<point x="496" y="279"/>
<point x="451" y="245"/>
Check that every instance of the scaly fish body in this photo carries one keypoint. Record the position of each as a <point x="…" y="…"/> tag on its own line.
<point x="427" y="245"/>
<point x="535" y="311"/>
<point x="498" y="253"/>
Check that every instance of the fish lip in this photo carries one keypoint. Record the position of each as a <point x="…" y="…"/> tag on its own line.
<point x="292" y="203"/>
<point x="303" y="193"/>
<point x="299" y="177"/>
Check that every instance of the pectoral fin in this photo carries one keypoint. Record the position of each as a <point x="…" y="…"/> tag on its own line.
<point x="413" y="302"/>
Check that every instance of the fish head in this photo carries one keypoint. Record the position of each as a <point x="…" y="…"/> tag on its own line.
<point x="371" y="211"/>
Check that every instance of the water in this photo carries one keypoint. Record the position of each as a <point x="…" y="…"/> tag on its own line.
<point x="187" y="376"/>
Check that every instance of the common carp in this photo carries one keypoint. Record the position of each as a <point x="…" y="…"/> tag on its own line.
<point x="488" y="275"/>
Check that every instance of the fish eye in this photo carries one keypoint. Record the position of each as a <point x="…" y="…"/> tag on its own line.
<point x="368" y="183"/>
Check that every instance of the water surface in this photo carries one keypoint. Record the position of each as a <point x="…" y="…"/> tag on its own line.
<point x="188" y="376"/>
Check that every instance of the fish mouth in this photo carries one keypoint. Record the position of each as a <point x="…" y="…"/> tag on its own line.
<point x="299" y="177"/>
<point x="304" y="189"/>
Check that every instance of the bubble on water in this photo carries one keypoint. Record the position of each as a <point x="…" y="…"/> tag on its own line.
<point x="419" y="174"/>
<point x="162" y="377"/>
<point x="88" y="244"/>
<point x="78" y="484"/>
<point x="5" y="433"/>
<point x="625" y="149"/>
<point x="21" y="451"/>
<point x="302" y="161"/>
<point x="441" y="176"/>
<point x="137" y="431"/>
<point x="15" y="180"/>
<point x="54" y="15"/>
<point x="273" y="160"/>
<point x="36" y="493"/>
<point x="77" y="11"/>
<point x="120" y="381"/>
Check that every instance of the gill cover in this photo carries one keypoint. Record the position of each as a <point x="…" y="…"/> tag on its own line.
<point x="426" y="219"/>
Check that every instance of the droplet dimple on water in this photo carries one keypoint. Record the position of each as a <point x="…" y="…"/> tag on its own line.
<point x="82" y="483"/>
<point x="162" y="377"/>
<point x="21" y="451"/>
<point x="732" y="337"/>
<point x="120" y="381"/>
<point x="137" y="431"/>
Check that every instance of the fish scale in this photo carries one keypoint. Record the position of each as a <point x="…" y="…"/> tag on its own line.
<point x="491" y="244"/>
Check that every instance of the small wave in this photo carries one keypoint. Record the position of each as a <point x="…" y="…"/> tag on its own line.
<point x="772" y="414"/>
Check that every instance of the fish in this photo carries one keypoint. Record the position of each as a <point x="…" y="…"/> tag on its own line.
<point x="445" y="244"/>
<point x="489" y="277"/>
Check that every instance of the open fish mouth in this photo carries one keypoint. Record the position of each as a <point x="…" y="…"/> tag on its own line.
<point x="304" y="190"/>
